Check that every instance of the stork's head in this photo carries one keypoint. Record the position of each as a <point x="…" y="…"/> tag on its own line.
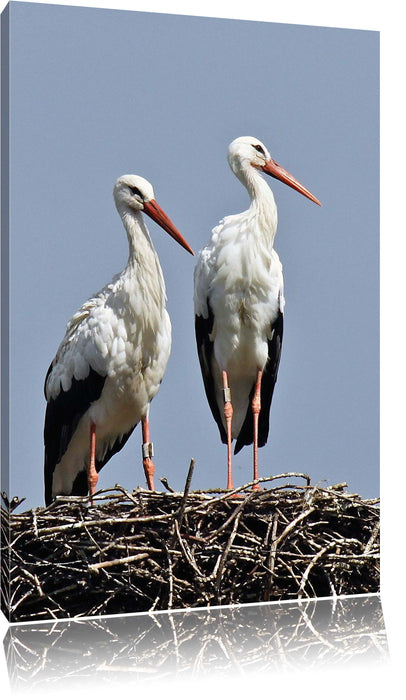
<point x="247" y="152"/>
<point x="131" y="192"/>
<point x="134" y="194"/>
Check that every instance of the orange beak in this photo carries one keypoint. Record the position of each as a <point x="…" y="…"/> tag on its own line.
<point x="272" y="168"/>
<point x="153" y="210"/>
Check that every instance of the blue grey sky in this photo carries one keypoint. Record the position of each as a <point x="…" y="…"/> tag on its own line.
<point x="99" y="93"/>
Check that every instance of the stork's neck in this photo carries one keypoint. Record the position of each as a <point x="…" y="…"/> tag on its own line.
<point x="263" y="209"/>
<point x="143" y="263"/>
<point x="139" y="240"/>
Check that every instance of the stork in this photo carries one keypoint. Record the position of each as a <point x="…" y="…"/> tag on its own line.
<point x="112" y="359"/>
<point x="239" y="303"/>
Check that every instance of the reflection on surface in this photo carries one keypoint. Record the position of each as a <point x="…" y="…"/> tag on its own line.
<point x="267" y="637"/>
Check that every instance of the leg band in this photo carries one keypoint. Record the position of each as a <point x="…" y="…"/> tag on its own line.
<point x="226" y="394"/>
<point x="147" y="450"/>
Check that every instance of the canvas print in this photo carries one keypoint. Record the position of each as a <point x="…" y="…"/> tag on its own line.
<point x="190" y="299"/>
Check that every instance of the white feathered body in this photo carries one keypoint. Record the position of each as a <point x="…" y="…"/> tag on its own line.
<point x="124" y="334"/>
<point x="239" y="276"/>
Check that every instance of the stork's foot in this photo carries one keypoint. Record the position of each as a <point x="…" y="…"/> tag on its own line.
<point x="256" y="409"/>
<point x="147" y="454"/>
<point x="92" y="475"/>
<point x="228" y="415"/>
<point x="149" y="469"/>
<point x="92" y="479"/>
<point x="230" y="485"/>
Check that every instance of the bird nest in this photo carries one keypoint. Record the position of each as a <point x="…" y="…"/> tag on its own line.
<point x="148" y="551"/>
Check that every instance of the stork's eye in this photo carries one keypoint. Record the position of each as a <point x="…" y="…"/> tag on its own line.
<point x="259" y="148"/>
<point x="135" y="190"/>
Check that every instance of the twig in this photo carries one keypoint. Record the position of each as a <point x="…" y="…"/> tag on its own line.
<point x="164" y="481"/>
<point x="117" y="562"/>
<point x="272" y="555"/>
<point x="224" y="555"/>
<point x="185" y="492"/>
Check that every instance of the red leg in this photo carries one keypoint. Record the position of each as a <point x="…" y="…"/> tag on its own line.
<point x="92" y="475"/>
<point x="256" y="408"/>
<point x="147" y="454"/>
<point x="228" y="414"/>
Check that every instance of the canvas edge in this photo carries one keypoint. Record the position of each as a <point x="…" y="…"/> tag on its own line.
<point x="5" y="288"/>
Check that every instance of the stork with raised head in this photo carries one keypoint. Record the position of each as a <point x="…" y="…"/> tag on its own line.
<point x="239" y="302"/>
<point x="112" y="359"/>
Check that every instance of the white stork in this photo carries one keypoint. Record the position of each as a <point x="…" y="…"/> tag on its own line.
<point x="238" y="300"/>
<point x="112" y="358"/>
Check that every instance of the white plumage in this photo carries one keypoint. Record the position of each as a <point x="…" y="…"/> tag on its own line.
<point x="239" y="303"/>
<point x="112" y="359"/>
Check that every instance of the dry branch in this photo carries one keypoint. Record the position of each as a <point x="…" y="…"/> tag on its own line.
<point x="152" y="551"/>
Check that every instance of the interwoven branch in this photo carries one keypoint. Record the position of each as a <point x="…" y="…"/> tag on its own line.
<point x="152" y="551"/>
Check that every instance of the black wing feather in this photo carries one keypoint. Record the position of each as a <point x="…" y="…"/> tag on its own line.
<point x="203" y="329"/>
<point x="61" y="420"/>
<point x="267" y="387"/>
